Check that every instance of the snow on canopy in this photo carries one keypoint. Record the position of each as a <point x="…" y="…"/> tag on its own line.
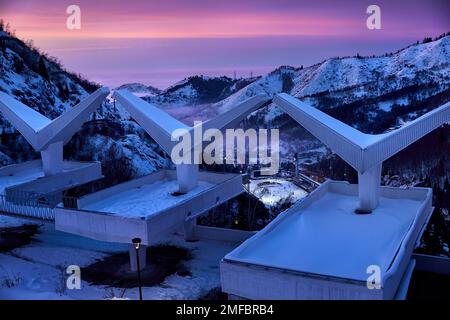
<point x="29" y="116"/>
<point x="362" y="151"/>
<point x="160" y="125"/>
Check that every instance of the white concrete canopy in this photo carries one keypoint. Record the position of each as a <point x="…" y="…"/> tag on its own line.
<point x="364" y="152"/>
<point x="49" y="136"/>
<point x="318" y="249"/>
<point x="160" y="126"/>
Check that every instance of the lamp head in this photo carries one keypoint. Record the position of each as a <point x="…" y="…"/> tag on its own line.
<point x="137" y="242"/>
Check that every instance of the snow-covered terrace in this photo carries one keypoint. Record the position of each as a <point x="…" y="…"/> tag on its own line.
<point x="13" y="175"/>
<point x="321" y="249"/>
<point x="30" y="176"/>
<point x="147" y="207"/>
<point x="146" y="200"/>
<point x="26" y="190"/>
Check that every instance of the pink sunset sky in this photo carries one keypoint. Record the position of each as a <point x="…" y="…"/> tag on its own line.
<point x="160" y="42"/>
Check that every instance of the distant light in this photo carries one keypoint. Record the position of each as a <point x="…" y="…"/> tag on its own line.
<point x="137" y="242"/>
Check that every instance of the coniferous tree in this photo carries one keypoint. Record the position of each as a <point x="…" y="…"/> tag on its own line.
<point x="42" y="69"/>
<point x="287" y="82"/>
<point x="2" y="42"/>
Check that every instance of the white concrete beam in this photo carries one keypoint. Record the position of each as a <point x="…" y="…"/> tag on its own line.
<point x="160" y="126"/>
<point x="360" y="150"/>
<point x="233" y="116"/>
<point x="157" y="123"/>
<point x="25" y="119"/>
<point x="364" y="152"/>
<point x="68" y="123"/>
<point x="40" y="131"/>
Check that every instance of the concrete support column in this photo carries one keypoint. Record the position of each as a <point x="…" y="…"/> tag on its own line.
<point x="52" y="159"/>
<point x="189" y="225"/>
<point x="142" y="257"/>
<point x="187" y="176"/>
<point x="369" y="189"/>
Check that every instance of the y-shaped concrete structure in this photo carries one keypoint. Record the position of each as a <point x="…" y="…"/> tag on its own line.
<point x="49" y="136"/>
<point x="319" y="249"/>
<point x="160" y="126"/>
<point x="364" y="152"/>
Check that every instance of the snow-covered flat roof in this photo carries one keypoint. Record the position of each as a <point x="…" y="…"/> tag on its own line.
<point x="31" y="171"/>
<point x="145" y="207"/>
<point x="328" y="238"/>
<point x="145" y="200"/>
<point x="19" y="177"/>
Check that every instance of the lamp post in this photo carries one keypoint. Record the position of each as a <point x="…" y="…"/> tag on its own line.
<point x="137" y="246"/>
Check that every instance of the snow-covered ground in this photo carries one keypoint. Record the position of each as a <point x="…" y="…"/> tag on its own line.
<point x="271" y="190"/>
<point x="37" y="271"/>
<point x="146" y="200"/>
<point x="10" y="221"/>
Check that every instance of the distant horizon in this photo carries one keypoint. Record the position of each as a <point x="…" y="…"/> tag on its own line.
<point x="160" y="43"/>
<point x="250" y="73"/>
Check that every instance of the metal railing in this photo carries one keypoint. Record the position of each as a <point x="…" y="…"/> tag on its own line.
<point x="70" y="202"/>
<point x="31" y="206"/>
<point x="19" y="197"/>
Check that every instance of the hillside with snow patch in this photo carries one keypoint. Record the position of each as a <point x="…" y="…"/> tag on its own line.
<point x="43" y="84"/>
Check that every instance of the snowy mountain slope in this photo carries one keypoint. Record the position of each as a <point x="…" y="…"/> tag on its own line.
<point x="375" y="84"/>
<point x="273" y="83"/>
<point x="41" y="83"/>
<point x="339" y="81"/>
<point x="198" y="90"/>
<point x="140" y="89"/>
<point x="18" y="80"/>
<point x="417" y="64"/>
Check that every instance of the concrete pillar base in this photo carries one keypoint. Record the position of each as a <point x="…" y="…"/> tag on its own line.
<point x="189" y="225"/>
<point x="187" y="176"/>
<point x="142" y="257"/>
<point x="52" y="159"/>
<point x="369" y="189"/>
